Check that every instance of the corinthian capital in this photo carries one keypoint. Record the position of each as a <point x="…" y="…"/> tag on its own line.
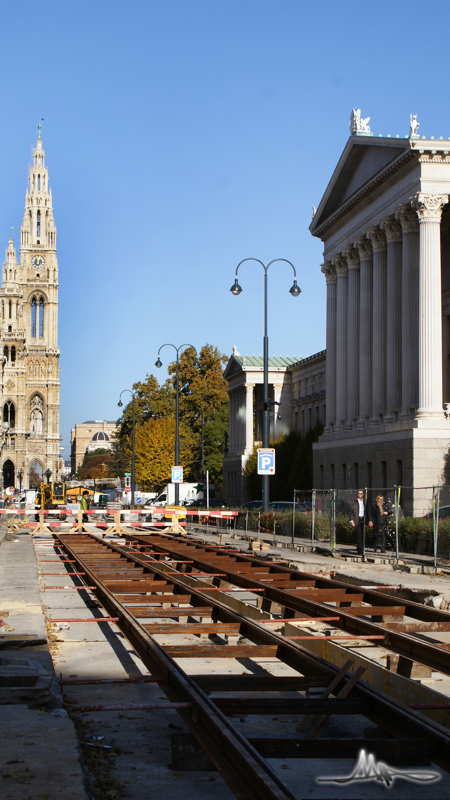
<point x="340" y="265"/>
<point x="329" y="272"/>
<point x="392" y="229"/>
<point x="377" y="237"/>
<point x="429" y="206"/>
<point x="363" y="247"/>
<point x="351" y="256"/>
<point x="408" y="219"/>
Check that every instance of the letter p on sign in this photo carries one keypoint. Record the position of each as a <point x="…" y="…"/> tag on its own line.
<point x="266" y="460"/>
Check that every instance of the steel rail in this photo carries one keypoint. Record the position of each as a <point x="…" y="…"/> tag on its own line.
<point x="238" y="761"/>
<point x="401" y="643"/>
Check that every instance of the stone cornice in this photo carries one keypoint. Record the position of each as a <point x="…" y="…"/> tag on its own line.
<point x="365" y="191"/>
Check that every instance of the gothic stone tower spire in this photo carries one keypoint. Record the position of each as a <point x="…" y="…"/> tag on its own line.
<point x="29" y="381"/>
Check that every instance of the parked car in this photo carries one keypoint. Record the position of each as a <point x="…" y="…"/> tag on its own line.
<point x="444" y="513"/>
<point x="214" y="502"/>
<point x="252" y="505"/>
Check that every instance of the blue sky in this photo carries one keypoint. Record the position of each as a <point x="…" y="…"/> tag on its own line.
<point x="182" y="136"/>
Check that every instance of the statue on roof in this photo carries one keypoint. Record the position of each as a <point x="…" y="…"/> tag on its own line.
<point x="358" y="125"/>
<point x="413" y="126"/>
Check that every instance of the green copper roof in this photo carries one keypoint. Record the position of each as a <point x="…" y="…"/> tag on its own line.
<point x="274" y="361"/>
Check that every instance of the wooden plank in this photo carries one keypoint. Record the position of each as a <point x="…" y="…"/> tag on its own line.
<point x="376" y="611"/>
<point x="418" y="627"/>
<point x="222" y="651"/>
<point x="200" y="611"/>
<point x="206" y="628"/>
<point x="255" y="683"/>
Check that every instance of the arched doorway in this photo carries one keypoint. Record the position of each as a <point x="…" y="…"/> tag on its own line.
<point x="35" y="475"/>
<point x="8" y="473"/>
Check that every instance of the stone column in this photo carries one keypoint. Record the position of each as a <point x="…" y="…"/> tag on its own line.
<point x="378" y="239"/>
<point x="393" y="231"/>
<point x="330" y="276"/>
<point x="249" y="416"/>
<point x="340" y="266"/>
<point x="365" y="330"/>
<point x="429" y="210"/>
<point x="352" y="258"/>
<point x="410" y="309"/>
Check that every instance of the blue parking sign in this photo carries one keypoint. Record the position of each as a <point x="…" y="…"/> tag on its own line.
<point x="177" y="474"/>
<point x="266" y="460"/>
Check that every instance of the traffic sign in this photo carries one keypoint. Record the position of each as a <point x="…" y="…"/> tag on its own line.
<point x="266" y="460"/>
<point x="9" y="490"/>
<point x="127" y="489"/>
<point x="138" y="500"/>
<point x="177" y="474"/>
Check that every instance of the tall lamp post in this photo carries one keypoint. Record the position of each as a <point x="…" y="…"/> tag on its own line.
<point x="120" y="404"/>
<point x="158" y="364"/>
<point x="294" y="291"/>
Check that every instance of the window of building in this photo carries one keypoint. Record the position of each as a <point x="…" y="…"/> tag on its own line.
<point x="13" y="354"/>
<point x="41" y="318"/>
<point x="9" y="414"/>
<point x="6" y="352"/>
<point x="38" y="223"/>
<point x="33" y="318"/>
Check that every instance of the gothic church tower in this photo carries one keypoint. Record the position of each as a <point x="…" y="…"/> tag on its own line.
<point x="29" y="381"/>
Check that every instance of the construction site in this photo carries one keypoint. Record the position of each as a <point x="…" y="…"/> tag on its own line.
<point x="142" y="660"/>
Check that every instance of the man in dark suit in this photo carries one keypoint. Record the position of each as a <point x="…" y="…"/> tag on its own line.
<point x="359" y="513"/>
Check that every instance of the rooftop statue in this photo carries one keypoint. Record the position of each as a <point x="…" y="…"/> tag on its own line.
<point x="413" y="126"/>
<point x="358" y="125"/>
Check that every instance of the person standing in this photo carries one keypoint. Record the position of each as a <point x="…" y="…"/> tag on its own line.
<point x="380" y="515"/>
<point x="84" y="505"/>
<point x="359" y="515"/>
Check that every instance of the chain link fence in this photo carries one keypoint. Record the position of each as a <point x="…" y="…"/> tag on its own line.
<point x="416" y="520"/>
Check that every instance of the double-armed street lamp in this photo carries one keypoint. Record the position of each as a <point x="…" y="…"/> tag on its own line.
<point x="294" y="291"/>
<point x="158" y="363"/>
<point x="120" y="404"/>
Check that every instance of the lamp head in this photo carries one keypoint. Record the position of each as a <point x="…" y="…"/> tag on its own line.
<point x="236" y="289"/>
<point x="120" y="404"/>
<point x="158" y="363"/>
<point x="196" y="363"/>
<point x="295" y="290"/>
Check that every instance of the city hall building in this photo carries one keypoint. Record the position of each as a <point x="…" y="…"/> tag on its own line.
<point x="29" y="381"/>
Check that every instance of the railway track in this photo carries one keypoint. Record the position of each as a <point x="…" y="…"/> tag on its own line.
<point x="181" y="604"/>
<point x="403" y="627"/>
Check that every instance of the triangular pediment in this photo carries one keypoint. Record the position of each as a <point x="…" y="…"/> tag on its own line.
<point x="362" y="160"/>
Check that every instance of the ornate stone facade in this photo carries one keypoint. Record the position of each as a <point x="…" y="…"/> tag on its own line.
<point x="29" y="385"/>
<point x="388" y="317"/>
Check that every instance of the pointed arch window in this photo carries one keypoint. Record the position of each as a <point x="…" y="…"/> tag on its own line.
<point x="13" y="354"/>
<point x="9" y="309"/>
<point x="33" y="318"/>
<point x="6" y="352"/>
<point x="9" y="414"/>
<point x="41" y="318"/>
<point x="38" y="223"/>
<point x="39" y="183"/>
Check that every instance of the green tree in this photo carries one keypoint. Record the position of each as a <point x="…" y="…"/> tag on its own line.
<point x="97" y="464"/>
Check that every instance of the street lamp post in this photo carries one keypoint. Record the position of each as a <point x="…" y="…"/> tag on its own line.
<point x="120" y="404"/>
<point x="20" y="476"/>
<point x="158" y="364"/>
<point x="294" y="291"/>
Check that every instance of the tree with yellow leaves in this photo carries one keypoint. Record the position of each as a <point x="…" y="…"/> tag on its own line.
<point x="155" y="452"/>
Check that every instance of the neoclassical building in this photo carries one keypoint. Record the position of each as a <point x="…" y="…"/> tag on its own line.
<point x="94" y="434"/>
<point x="296" y="397"/>
<point x="384" y="221"/>
<point x="29" y="440"/>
